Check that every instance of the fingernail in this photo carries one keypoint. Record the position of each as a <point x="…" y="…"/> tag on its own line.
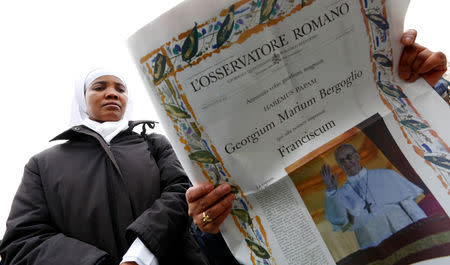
<point x="226" y="187"/>
<point x="403" y="75"/>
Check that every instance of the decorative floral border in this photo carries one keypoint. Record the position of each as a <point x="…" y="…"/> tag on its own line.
<point x="234" y="24"/>
<point x="416" y="130"/>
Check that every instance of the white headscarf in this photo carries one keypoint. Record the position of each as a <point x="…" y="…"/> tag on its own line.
<point x="79" y="116"/>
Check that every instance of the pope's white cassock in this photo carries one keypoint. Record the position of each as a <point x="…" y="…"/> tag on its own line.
<point x="374" y="204"/>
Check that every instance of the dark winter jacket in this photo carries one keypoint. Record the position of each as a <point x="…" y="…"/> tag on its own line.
<point x="85" y="201"/>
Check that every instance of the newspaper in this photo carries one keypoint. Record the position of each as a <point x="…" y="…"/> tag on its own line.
<point x="270" y="95"/>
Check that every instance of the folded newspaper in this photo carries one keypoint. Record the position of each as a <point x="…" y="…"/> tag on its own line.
<point x="297" y="104"/>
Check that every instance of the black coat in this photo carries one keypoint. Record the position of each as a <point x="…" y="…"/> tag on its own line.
<point x="83" y="201"/>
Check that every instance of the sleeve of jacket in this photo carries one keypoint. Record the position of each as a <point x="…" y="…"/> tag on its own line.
<point x="30" y="236"/>
<point x="164" y="223"/>
<point x="214" y="246"/>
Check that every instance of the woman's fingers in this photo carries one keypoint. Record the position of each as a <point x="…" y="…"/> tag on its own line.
<point x="196" y="192"/>
<point x="417" y="61"/>
<point x="433" y="67"/>
<point x="216" y="215"/>
<point x="213" y="226"/>
<point x="207" y="198"/>
<point x="421" y="57"/>
<point x="409" y="37"/>
<point x="409" y="55"/>
<point x="209" y="206"/>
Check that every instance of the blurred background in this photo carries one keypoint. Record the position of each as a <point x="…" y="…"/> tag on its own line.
<point x="46" y="45"/>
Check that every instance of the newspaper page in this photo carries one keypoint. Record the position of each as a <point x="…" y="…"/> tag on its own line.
<point x="284" y="99"/>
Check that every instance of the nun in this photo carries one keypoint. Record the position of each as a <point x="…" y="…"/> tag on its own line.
<point x="106" y="195"/>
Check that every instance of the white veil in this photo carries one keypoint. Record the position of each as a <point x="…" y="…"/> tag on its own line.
<point x="79" y="116"/>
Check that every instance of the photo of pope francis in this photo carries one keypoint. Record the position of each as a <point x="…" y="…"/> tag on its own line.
<point x="374" y="203"/>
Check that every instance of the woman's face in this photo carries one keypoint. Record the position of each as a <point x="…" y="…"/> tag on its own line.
<point x="106" y="99"/>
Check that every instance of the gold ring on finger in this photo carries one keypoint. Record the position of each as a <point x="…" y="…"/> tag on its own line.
<point x="206" y="218"/>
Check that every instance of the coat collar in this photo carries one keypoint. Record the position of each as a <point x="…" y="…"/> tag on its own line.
<point x="75" y="130"/>
<point x="72" y="132"/>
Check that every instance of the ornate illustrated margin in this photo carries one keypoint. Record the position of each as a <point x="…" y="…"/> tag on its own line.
<point x="234" y="25"/>
<point x="416" y="130"/>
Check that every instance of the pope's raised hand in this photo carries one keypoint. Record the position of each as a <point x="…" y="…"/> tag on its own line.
<point x="328" y="177"/>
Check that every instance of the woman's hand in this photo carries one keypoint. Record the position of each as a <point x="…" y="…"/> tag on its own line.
<point x="209" y="206"/>
<point x="417" y="61"/>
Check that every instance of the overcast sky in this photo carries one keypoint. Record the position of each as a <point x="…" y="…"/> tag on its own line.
<point x="46" y="45"/>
